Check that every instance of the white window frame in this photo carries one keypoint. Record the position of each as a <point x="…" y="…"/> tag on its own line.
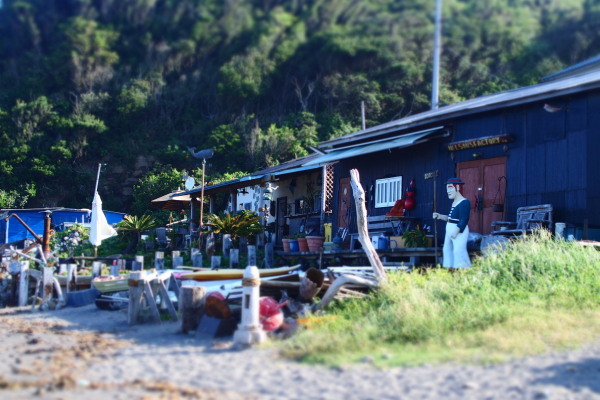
<point x="387" y="191"/>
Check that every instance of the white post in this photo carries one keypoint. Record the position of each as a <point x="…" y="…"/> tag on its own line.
<point x="250" y="331"/>
<point x="24" y="283"/>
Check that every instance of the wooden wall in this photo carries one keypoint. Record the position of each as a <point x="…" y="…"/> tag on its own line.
<point x="555" y="158"/>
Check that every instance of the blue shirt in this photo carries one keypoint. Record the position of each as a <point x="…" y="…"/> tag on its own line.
<point x="460" y="213"/>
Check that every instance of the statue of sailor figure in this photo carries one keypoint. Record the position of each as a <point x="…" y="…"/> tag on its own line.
<point x="457" y="229"/>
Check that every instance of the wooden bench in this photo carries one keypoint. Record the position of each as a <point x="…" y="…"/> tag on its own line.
<point x="379" y="224"/>
<point x="528" y="219"/>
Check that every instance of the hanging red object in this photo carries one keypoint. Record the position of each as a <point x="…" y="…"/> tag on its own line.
<point x="409" y="202"/>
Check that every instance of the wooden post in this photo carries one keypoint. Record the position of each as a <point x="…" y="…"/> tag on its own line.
<point x="135" y="297"/>
<point x="71" y="277"/>
<point x="251" y="255"/>
<point x="140" y="259"/>
<point x="361" y="223"/>
<point x="191" y="307"/>
<point x="215" y="262"/>
<point x="159" y="260"/>
<point x="47" y="284"/>
<point x="210" y="244"/>
<point x="177" y="261"/>
<point x="23" y="283"/>
<point x="226" y="243"/>
<point x="269" y="255"/>
<point x="197" y="259"/>
<point x="96" y="269"/>
<point x="115" y="269"/>
<point x="234" y="258"/>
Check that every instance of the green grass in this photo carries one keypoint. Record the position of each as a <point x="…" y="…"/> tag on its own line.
<point x="537" y="295"/>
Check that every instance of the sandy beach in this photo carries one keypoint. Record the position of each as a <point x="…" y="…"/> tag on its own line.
<point x="87" y="353"/>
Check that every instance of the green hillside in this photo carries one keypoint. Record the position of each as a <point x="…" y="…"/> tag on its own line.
<point x="133" y="83"/>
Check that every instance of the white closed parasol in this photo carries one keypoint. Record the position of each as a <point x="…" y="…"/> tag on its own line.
<point x="99" y="227"/>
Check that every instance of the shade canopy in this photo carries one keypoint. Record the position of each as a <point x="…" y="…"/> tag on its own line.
<point x="172" y="201"/>
<point x="99" y="227"/>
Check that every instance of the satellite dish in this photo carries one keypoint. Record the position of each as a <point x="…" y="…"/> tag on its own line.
<point x="189" y="183"/>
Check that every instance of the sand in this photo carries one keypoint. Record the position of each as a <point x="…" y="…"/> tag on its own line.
<point x="86" y="353"/>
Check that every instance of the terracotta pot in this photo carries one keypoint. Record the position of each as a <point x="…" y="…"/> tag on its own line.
<point x="315" y="243"/>
<point x="302" y="244"/>
<point x="286" y="245"/>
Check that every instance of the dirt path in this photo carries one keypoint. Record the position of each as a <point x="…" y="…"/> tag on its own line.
<point x="85" y="353"/>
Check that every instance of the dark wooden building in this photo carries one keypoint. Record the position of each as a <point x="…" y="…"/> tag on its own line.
<point x="528" y="146"/>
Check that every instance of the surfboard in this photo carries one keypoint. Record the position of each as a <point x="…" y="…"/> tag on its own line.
<point x="235" y="273"/>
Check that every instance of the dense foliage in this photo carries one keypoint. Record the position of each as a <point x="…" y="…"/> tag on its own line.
<point x="132" y="83"/>
<point x="536" y="294"/>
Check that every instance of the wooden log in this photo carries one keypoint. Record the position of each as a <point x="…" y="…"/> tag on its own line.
<point x="335" y="287"/>
<point x="136" y="289"/>
<point x="280" y="284"/>
<point x="191" y="307"/>
<point x="311" y="283"/>
<point x="151" y="301"/>
<point x="361" y="223"/>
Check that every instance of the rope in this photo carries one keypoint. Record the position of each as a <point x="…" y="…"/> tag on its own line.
<point x="250" y="282"/>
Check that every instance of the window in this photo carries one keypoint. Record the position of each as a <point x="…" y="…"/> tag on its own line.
<point x="387" y="191"/>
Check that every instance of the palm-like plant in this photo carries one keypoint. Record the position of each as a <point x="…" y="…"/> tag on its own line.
<point x="134" y="226"/>
<point x="243" y="223"/>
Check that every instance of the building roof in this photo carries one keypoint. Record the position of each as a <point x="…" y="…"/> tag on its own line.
<point x="287" y="169"/>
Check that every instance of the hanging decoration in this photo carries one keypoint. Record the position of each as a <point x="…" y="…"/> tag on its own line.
<point x="409" y="201"/>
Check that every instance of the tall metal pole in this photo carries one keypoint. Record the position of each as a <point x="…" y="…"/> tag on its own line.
<point x="201" y="206"/>
<point x="97" y="179"/>
<point x="436" y="55"/>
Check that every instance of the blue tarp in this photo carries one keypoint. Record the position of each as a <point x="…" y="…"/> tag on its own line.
<point x="34" y="218"/>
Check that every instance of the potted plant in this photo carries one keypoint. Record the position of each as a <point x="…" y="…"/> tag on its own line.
<point x="302" y="242"/>
<point x="243" y="223"/>
<point x="315" y="243"/>
<point x="133" y="226"/>
<point x="415" y="238"/>
<point x="286" y="244"/>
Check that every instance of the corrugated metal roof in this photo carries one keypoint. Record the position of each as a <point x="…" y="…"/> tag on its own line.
<point x="542" y="91"/>
<point x="398" y="142"/>
<point x="289" y="167"/>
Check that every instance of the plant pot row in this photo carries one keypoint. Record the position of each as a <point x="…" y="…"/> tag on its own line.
<point x="309" y="243"/>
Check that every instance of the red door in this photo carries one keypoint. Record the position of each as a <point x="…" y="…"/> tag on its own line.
<point x="344" y="201"/>
<point x="484" y="186"/>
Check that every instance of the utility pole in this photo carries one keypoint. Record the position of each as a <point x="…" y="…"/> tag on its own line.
<point x="437" y="37"/>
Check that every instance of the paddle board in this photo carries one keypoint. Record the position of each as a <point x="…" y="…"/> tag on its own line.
<point x="235" y="273"/>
